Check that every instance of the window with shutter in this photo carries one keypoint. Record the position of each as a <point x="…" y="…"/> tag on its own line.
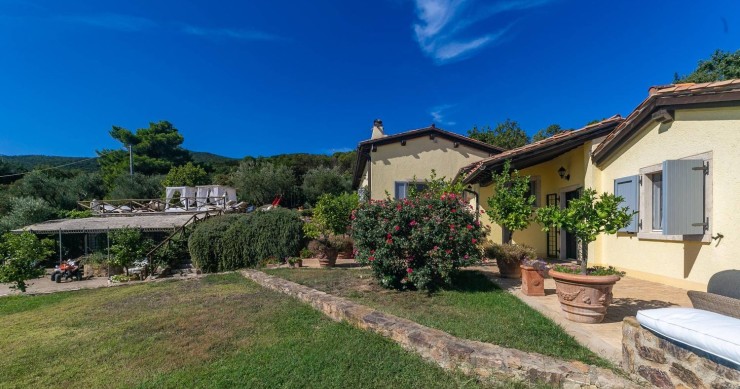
<point x="629" y="189"/>
<point x="676" y="200"/>
<point x="683" y="197"/>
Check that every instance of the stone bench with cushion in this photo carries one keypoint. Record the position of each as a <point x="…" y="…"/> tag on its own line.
<point x="695" y="347"/>
<point x="682" y="347"/>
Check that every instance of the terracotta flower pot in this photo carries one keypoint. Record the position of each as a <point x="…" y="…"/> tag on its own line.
<point x="584" y="298"/>
<point x="330" y="257"/>
<point x="509" y="269"/>
<point x="533" y="284"/>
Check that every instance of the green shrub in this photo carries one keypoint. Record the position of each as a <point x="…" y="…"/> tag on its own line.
<point x="172" y="254"/>
<point x="509" y="253"/>
<point x="235" y="241"/>
<point x="128" y="246"/>
<point x="76" y="214"/>
<point x="21" y="256"/>
<point x="418" y="242"/>
<point x="332" y="215"/>
<point x="306" y="253"/>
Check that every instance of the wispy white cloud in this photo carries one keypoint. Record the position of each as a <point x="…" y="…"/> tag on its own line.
<point x="120" y="22"/>
<point x="129" y="23"/>
<point x="439" y="114"/>
<point x="441" y="26"/>
<point x="230" y="33"/>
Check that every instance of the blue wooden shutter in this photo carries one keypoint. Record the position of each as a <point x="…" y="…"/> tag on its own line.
<point x="683" y="197"/>
<point x="629" y="189"/>
<point x="400" y="190"/>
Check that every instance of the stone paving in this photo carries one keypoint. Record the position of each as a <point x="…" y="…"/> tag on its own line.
<point x="605" y="339"/>
<point x="44" y="285"/>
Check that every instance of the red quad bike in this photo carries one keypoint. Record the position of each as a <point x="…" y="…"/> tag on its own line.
<point x="67" y="270"/>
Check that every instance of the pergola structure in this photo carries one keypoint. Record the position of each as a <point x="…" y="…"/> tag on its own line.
<point x="160" y="222"/>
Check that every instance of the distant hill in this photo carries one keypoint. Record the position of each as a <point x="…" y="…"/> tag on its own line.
<point x="214" y="162"/>
<point x="29" y="162"/>
<point x="206" y="157"/>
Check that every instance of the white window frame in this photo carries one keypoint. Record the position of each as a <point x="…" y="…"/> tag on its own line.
<point x="407" y="183"/>
<point x="646" y="204"/>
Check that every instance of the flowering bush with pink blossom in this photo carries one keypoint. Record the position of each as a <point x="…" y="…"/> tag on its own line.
<point x="419" y="242"/>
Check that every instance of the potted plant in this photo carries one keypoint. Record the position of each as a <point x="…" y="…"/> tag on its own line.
<point x="585" y="293"/>
<point x="330" y="221"/>
<point x="534" y="272"/>
<point x="509" y="257"/>
<point x="295" y="262"/>
<point x="511" y="207"/>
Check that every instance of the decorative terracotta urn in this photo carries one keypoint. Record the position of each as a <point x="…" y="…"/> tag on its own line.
<point x="508" y="269"/>
<point x="533" y="284"/>
<point x="584" y="298"/>
<point x="329" y="258"/>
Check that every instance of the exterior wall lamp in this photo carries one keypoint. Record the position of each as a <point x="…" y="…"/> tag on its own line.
<point x="561" y="173"/>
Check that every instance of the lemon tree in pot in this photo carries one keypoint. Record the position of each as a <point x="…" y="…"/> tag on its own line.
<point x="585" y="293"/>
<point x="330" y="221"/>
<point x="511" y="207"/>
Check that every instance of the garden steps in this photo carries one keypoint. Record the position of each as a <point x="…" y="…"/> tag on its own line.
<point x="485" y="360"/>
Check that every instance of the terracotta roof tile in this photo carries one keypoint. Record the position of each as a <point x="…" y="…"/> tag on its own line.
<point x="534" y="146"/>
<point x="716" y="88"/>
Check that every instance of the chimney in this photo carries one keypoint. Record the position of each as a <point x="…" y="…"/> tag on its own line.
<point x="378" y="129"/>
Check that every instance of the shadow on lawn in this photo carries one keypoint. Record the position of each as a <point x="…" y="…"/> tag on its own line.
<point x="472" y="281"/>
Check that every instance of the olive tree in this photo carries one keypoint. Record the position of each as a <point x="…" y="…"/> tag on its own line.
<point x="21" y="256"/>
<point x="511" y="205"/>
<point x="586" y="217"/>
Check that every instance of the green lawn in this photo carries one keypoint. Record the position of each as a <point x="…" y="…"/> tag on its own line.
<point x="220" y="331"/>
<point x="474" y="308"/>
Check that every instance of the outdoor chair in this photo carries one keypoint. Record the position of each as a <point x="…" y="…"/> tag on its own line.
<point x="722" y="295"/>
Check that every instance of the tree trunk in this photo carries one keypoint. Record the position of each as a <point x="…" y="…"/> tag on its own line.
<point x="582" y="248"/>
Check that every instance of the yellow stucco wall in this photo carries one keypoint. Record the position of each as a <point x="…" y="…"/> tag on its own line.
<point x="394" y="162"/>
<point x="685" y="264"/>
<point x="575" y="163"/>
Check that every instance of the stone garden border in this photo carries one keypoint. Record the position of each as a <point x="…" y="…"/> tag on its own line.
<point x="484" y="360"/>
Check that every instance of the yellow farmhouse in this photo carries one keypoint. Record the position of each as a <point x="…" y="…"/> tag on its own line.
<point x="673" y="159"/>
<point x="390" y="164"/>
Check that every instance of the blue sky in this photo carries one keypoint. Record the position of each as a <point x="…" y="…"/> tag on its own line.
<point x="262" y="77"/>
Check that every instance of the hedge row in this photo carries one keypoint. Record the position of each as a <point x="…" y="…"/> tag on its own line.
<point x="235" y="241"/>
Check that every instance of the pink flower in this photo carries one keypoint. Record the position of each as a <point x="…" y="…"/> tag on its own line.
<point x="413" y="223"/>
<point x="371" y="258"/>
<point x="454" y="210"/>
<point x="409" y="270"/>
<point x="466" y="256"/>
<point x="475" y="240"/>
<point x="389" y="241"/>
<point x="436" y="248"/>
<point x="448" y="251"/>
<point x="372" y="251"/>
<point x="452" y="226"/>
<point x="388" y="236"/>
<point x="469" y="227"/>
<point x="397" y="228"/>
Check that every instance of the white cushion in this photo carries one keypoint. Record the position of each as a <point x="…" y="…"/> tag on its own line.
<point x="710" y="332"/>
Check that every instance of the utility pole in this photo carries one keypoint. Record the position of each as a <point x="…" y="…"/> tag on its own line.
<point x="130" y="161"/>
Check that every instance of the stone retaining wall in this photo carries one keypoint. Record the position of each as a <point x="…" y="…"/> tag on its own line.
<point x="482" y="359"/>
<point x="667" y="365"/>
